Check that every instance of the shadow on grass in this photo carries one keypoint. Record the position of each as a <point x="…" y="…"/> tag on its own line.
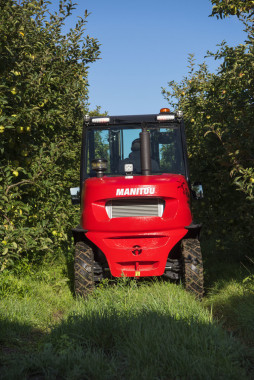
<point x="238" y="315"/>
<point x="128" y="345"/>
<point x="225" y="265"/>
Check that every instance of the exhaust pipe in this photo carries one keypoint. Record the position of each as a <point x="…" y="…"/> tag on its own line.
<point x="145" y="156"/>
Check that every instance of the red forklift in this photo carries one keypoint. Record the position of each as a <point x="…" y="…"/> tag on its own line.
<point x="135" y="196"/>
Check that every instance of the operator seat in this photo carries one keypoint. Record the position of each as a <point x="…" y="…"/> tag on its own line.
<point x="134" y="159"/>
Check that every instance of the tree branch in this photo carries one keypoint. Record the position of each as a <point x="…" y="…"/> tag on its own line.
<point x="24" y="182"/>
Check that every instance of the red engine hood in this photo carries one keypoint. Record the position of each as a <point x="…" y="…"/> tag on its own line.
<point x="155" y="235"/>
<point x="173" y="189"/>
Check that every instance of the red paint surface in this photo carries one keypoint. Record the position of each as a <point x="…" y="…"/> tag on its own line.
<point x="156" y="236"/>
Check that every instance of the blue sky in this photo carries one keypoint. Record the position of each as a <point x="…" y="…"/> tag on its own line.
<point x="145" y="44"/>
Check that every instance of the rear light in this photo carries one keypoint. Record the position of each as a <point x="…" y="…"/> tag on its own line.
<point x="128" y="169"/>
<point x="165" y="117"/>
<point x="102" y="120"/>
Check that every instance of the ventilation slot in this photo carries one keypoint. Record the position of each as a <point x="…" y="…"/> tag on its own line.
<point x="122" y="208"/>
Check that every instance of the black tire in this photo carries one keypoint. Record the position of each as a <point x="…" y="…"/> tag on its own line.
<point x="83" y="269"/>
<point x="193" y="267"/>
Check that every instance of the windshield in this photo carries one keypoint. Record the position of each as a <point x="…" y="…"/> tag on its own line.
<point x="121" y="145"/>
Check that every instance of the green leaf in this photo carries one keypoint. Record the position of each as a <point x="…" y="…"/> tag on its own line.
<point x="5" y="251"/>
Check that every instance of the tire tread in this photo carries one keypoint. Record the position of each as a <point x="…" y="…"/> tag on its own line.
<point x="83" y="269"/>
<point x="193" y="267"/>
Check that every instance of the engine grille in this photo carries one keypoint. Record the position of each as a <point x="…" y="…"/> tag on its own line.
<point x="122" y="208"/>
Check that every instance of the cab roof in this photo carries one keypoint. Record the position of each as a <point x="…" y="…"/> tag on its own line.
<point x="168" y="117"/>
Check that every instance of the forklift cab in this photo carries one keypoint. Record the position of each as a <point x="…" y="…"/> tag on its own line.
<point x="117" y="140"/>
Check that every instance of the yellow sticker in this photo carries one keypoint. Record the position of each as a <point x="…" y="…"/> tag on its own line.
<point x="137" y="273"/>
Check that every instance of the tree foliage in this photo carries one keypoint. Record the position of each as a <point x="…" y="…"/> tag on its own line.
<point x="224" y="8"/>
<point x="44" y="93"/>
<point x="219" y="114"/>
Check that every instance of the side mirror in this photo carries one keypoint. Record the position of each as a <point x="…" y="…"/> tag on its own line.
<point x="75" y="195"/>
<point x="197" y="190"/>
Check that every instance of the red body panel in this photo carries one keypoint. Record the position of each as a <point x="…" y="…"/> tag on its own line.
<point x="155" y="236"/>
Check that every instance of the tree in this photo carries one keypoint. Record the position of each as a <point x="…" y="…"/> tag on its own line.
<point x="44" y="94"/>
<point x="224" y="8"/>
<point x="219" y="113"/>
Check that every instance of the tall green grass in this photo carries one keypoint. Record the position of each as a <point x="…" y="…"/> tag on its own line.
<point x="229" y="280"/>
<point x="126" y="330"/>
